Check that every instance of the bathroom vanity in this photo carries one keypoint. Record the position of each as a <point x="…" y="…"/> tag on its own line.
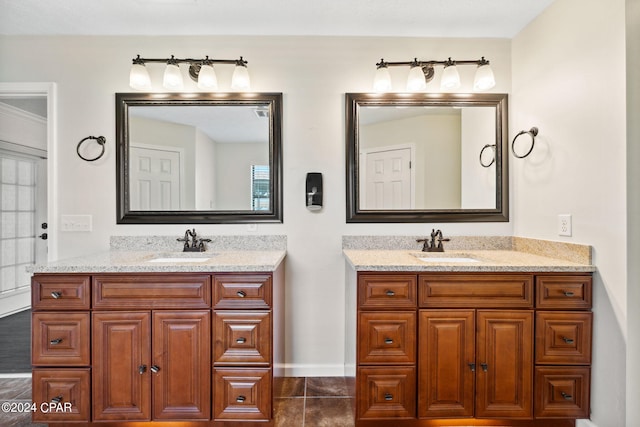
<point x="478" y="337"/>
<point x="121" y="337"/>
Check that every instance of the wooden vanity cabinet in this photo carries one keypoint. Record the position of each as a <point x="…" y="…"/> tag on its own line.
<point x="501" y="347"/>
<point x="191" y="347"/>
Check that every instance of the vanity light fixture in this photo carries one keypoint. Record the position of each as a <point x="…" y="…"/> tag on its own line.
<point x="422" y="72"/>
<point x="200" y="71"/>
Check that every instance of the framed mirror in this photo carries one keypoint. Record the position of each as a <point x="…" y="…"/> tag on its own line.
<point x="198" y="158"/>
<point x="426" y="157"/>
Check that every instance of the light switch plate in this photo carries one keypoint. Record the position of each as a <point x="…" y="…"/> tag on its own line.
<point x="76" y="222"/>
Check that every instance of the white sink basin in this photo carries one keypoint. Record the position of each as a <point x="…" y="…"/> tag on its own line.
<point x="447" y="259"/>
<point x="191" y="257"/>
<point x="440" y="257"/>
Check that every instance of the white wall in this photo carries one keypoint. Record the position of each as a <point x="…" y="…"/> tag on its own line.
<point x="569" y="81"/>
<point x="313" y="74"/>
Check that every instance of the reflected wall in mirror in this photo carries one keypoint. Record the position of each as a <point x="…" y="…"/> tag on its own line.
<point x="422" y="157"/>
<point x="199" y="158"/>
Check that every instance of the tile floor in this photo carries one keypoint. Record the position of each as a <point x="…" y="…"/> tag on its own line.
<point x="298" y="402"/>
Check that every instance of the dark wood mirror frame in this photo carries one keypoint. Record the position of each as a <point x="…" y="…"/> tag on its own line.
<point x="356" y="100"/>
<point x="126" y="216"/>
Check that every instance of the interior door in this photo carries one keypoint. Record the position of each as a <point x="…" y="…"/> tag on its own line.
<point x="387" y="179"/>
<point x="155" y="178"/>
<point x="504" y="379"/>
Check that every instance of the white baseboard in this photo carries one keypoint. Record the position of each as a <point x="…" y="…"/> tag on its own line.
<point x="22" y="375"/>
<point x="15" y="302"/>
<point x="585" y="423"/>
<point x="313" y="370"/>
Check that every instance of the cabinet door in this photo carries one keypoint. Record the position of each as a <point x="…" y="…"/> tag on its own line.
<point x="446" y="375"/>
<point x="181" y="365"/>
<point x="121" y="380"/>
<point x="505" y="364"/>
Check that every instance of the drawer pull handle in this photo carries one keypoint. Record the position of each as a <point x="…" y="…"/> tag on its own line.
<point x="155" y="369"/>
<point x="485" y="367"/>
<point x="142" y="369"/>
<point x="240" y="399"/>
<point x="568" y="293"/>
<point x="241" y="294"/>
<point x="56" y="399"/>
<point x="388" y="341"/>
<point x="56" y="294"/>
<point x="566" y="396"/>
<point x="567" y="340"/>
<point x="56" y="341"/>
<point x="388" y="397"/>
<point x="472" y="366"/>
<point x="390" y="293"/>
<point x="241" y="340"/>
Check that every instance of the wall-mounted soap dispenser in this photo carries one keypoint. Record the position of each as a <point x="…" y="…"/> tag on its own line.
<point x="314" y="191"/>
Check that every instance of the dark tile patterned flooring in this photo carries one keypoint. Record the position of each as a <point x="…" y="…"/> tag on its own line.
<point x="298" y="402"/>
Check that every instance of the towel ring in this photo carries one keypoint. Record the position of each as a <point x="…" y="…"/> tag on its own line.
<point x="533" y="132"/>
<point x="494" y="155"/>
<point x="99" y="139"/>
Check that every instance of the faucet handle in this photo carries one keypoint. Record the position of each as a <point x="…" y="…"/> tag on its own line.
<point x="425" y="244"/>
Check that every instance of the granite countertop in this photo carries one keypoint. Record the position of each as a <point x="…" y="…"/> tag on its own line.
<point x="492" y="253"/>
<point x="140" y="262"/>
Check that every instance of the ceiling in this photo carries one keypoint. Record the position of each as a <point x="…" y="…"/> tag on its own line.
<point x="408" y="18"/>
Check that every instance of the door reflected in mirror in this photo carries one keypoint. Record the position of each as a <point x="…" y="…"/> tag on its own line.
<point x="424" y="157"/>
<point x="186" y="158"/>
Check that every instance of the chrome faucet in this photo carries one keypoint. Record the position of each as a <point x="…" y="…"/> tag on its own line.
<point x="431" y="245"/>
<point x="192" y="243"/>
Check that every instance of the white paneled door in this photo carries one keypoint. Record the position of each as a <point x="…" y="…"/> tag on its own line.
<point x="387" y="181"/>
<point x="155" y="178"/>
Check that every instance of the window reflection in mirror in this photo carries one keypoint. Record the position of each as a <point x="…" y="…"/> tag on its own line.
<point x="199" y="158"/>
<point x="421" y="157"/>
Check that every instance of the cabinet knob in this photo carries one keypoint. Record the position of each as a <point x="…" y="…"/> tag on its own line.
<point x="155" y="369"/>
<point x="388" y="341"/>
<point x="240" y="399"/>
<point x="56" y="399"/>
<point x="566" y="396"/>
<point x="142" y="369"/>
<point x="568" y="293"/>
<point x="241" y="340"/>
<point x="567" y="340"/>
<point x="241" y="294"/>
<point x="485" y="367"/>
<point x="56" y="341"/>
<point x="472" y="366"/>
<point x="388" y="397"/>
<point x="56" y="294"/>
<point x="390" y="293"/>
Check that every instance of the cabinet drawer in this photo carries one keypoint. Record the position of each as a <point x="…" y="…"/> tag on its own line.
<point x="563" y="338"/>
<point x="386" y="393"/>
<point x="242" y="394"/>
<point x="387" y="338"/>
<point x="60" y="292"/>
<point x="149" y="291"/>
<point x="66" y="390"/>
<point x="562" y="392"/>
<point x="393" y="291"/>
<point x="60" y="339"/>
<point x="564" y="292"/>
<point x="475" y="290"/>
<point x="242" y="291"/>
<point x="242" y="337"/>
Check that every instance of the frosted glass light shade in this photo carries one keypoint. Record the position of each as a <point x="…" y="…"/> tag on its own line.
<point x="139" y="77"/>
<point x="382" y="80"/>
<point x="416" y="80"/>
<point x="484" y="78"/>
<point x="450" y="78"/>
<point x="207" y="78"/>
<point x="172" y="77"/>
<point x="240" y="79"/>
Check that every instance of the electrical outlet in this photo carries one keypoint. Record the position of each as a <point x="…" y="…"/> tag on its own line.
<point x="564" y="225"/>
<point x="76" y="223"/>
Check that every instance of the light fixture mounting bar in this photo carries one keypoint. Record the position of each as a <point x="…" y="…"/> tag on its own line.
<point x="192" y="61"/>
<point x="422" y="63"/>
